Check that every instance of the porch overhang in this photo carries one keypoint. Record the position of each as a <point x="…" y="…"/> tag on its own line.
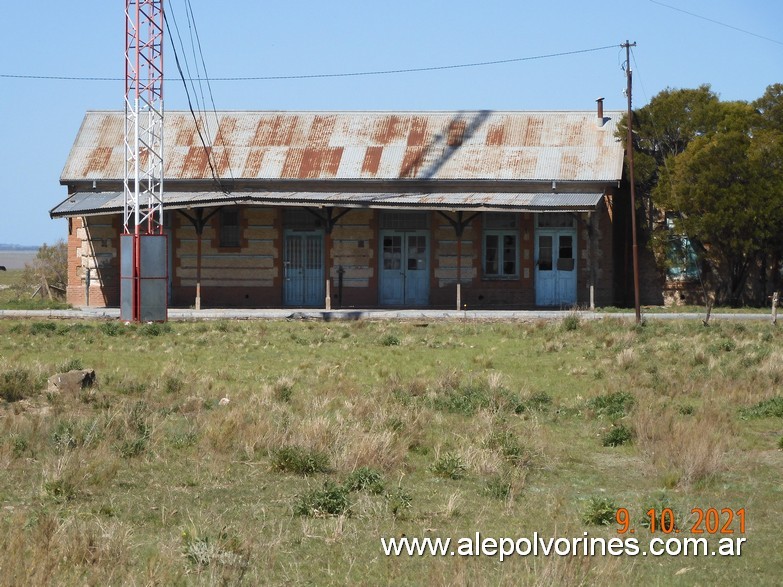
<point x="88" y="203"/>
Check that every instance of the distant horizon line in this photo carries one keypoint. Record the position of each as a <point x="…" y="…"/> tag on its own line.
<point x="15" y="247"/>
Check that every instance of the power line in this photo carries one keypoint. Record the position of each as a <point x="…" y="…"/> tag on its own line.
<point x="413" y="69"/>
<point x="207" y="150"/>
<point x="330" y="75"/>
<point x="723" y="24"/>
<point x="201" y="105"/>
<point x="219" y="135"/>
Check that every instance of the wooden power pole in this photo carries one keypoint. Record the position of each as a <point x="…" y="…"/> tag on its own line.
<point x="629" y="149"/>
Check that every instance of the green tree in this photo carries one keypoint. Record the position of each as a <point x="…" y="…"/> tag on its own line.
<point x="769" y="146"/>
<point x="723" y="188"/>
<point x="662" y="130"/>
<point x="718" y="167"/>
<point x="49" y="271"/>
<point x="770" y="107"/>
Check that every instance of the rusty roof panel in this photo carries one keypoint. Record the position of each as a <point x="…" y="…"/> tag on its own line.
<point x="481" y="145"/>
<point x="371" y="161"/>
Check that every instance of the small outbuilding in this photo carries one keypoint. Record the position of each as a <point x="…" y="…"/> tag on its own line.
<point x="392" y="209"/>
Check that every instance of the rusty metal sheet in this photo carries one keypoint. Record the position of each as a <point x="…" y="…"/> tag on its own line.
<point x="481" y="145"/>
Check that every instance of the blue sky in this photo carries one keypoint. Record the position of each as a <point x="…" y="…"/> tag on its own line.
<point x="40" y="118"/>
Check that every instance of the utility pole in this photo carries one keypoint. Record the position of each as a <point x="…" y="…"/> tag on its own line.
<point x="629" y="150"/>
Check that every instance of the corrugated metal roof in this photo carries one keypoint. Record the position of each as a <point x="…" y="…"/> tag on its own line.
<point x="479" y="145"/>
<point x="92" y="203"/>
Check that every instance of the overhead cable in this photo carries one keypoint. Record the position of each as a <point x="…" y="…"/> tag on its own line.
<point x="332" y="75"/>
<point x="712" y="20"/>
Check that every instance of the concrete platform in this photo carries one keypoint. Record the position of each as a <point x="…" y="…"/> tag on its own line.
<point x="182" y="314"/>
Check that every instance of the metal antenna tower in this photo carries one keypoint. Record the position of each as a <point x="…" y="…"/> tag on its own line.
<point x="143" y="180"/>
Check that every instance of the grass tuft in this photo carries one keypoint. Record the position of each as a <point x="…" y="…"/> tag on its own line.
<point x="599" y="511"/>
<point x="400" y="502"/>
<point x="618" y="435"/>
<point x="112" y="328"/>
<point x="571" y="322"/>
<point x="365" y="479"/>
<point x="391" y="340"/>
<point x="768" y="408"/>
<point x="449" y="465"/>
<point x="17" y="384"/>
<point x="295" y="459"/>
<point x="613" y="405"/>
<point x="46" y="328"/>
<point x="331" y="500"/>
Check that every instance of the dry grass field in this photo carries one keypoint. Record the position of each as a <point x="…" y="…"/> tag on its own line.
<point x="248" y="453"/>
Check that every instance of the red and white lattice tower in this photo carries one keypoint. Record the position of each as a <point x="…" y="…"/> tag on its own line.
<point x="143" y="181"/>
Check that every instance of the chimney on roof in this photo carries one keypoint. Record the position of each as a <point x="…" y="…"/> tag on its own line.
<point x="600" y="114"/>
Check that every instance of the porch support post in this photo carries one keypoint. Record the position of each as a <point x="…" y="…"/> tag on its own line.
<point x="459" y="225"/>
<point x="330" y="221"/>
<point x="459" y="230"/>
<point x="591" y="256"/>
<point x="198" y="268"/>
<point x="199" y="221"/>
<point x="459" y="267"/>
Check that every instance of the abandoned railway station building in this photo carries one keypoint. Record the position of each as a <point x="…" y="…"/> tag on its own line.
<point x="392" y="209"/>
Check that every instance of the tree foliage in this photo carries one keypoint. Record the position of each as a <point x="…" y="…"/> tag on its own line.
<point x="718" y="167"/>
<point x="49" y="271"/>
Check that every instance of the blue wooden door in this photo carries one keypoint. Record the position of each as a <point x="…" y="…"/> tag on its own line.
<point x="404" y="270"/>
<point x="303" y="265"/>
<point x="556" y="267"/>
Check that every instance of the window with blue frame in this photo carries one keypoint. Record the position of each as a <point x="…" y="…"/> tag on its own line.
<point x="683" y="263"/>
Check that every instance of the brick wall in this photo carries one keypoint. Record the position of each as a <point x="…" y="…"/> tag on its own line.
<point x="244" y="276"/>
<point x="352" y="248"/>
<point x="595" y="256"/>
<point x="250" y="275"/>
<point x="93" y="244"/>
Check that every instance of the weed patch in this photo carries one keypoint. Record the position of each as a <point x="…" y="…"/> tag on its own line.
<point x="72" y="365"/>
<point x="400" y="502"/>
<point x="111" y="328"/>
<point x="510" y="448"/>
<point x="498" y="486"/>
<point x="365" y="479"/>
<point x="467" y="396"/>
<point x="17" y="384"/>
<point x="449" y="465"/>
<point x="391" y="340"/>
<point x="618" y="435"/>
<point x="202" y="551"/>
<point x="661" y="511"/>
<point x="64" y="436"/>
<point x="60" y="490"/>
<point x="46" y="328"/>
<point x="613" y="405"/>
<point x="599" y="511"/>
<point x="295" y="459"/>
<point x="571" y="322"/>
<point x="331" y="500"/>
<point x="539" y="401"/>
<point x="154" y="329"/>
<point x="769" y="408"/>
